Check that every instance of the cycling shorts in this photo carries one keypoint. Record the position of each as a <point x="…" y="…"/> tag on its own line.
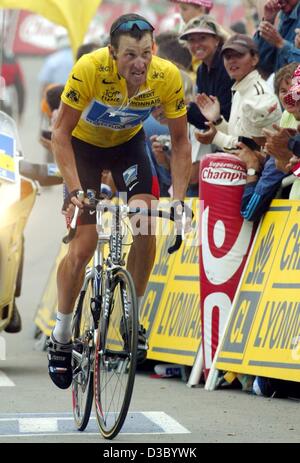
<point x="129" y="164"/>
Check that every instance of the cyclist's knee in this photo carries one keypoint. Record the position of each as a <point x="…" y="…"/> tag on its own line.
<point x="79" y="257"/>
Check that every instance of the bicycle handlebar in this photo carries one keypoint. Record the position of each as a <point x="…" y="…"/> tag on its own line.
<point x="104" y="207"/>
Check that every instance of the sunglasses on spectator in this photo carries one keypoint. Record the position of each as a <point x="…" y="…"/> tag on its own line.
<point x="129" y="26"/>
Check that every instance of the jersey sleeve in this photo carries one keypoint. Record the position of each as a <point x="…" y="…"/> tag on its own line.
<point x="173" y="99"/>
<point x="78" y="90"/>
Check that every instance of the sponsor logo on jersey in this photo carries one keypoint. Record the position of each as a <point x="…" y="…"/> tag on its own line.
<point x="73" y="95"/>
<point x="130" y="176"/>
<point x="116" y="118"/>
<point x="158" y="75"/>
<point x="180" y="104"/>
<point x="103" y="68"/>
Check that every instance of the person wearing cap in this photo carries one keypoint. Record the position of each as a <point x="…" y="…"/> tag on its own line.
<point x="190" y="9"/>
<point x="240" y="59"/>
<point x="263" y="178"/>
<point x="276" y="44"/>
<point x="108" y="95"/>
<point x="205" y="40"/>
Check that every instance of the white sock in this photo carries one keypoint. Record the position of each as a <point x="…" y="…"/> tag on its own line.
<point x="62" y="331"/>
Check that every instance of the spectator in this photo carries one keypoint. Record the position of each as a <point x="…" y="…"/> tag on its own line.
<point x="168" y="47"/>
<point x="240" y="59"/>
<point x="205" y="41"/>
<point x="284" y="145"/>
<point x="49" y="106"/>
<point x="86" y="48"/>
<point x="251" y="16"/>
<point x="58" y="65"/>
<point x="276" y="46"/>
<point x="263" y="179"/>
<point x="190" y="9"/>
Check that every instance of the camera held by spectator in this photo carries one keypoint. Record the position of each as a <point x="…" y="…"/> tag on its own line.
<point x="165" y="141"/>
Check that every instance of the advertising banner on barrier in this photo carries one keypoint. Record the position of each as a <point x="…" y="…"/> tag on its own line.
<point x="172" y="300"/>
<point x="263" y="334"/>
<point x="171" y="306"/>
<point x="225" y="243"/>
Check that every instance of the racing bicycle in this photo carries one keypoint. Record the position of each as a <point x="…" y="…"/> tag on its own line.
<point x="105" y="323"/>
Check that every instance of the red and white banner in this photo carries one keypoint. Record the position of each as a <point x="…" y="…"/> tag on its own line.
<point x="225" y="241"/>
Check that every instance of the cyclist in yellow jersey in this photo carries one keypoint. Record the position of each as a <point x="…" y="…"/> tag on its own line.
<point x="109" y="93"/>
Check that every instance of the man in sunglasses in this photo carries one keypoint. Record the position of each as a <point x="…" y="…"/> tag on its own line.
<point x="108" y="95"/>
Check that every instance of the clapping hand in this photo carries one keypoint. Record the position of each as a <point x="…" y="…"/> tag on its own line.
<point x="209" y="106"/>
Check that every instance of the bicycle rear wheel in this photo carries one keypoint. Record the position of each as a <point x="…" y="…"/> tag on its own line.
<point x="116" y="355"/>
<point x="82" y="359"/>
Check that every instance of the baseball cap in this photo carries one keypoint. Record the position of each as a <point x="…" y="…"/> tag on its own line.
<point x="259" y="112"/>
<point x="293" y="95"/>
<point x="206" y="3"/>
<point x="240" y="43"/>
<point x="202" y="24"/>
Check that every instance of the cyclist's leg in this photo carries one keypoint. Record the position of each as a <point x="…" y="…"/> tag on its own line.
<point x="142" y="252"/>
<point x="69" y="279"/>
<point x="71" y="269"/>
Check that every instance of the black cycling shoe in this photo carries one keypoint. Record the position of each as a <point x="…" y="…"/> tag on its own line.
<point x="60" y="363"/>
<point x="143" y="345"/>
<point x="142" y="340"/>
<point x="15" y="323"/>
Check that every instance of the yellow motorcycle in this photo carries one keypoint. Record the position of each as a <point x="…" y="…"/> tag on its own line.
<point x="17" y="197"/>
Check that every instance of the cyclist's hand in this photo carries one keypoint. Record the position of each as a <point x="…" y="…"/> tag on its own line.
<point x="75" y="198"/>
<point x="183" y="216"/>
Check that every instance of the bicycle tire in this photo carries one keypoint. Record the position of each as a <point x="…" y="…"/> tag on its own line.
<point x="116" y="355"/>
<point x="82" y="384"/>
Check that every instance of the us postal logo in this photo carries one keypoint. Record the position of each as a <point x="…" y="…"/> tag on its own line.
<point x="113" y="117"/>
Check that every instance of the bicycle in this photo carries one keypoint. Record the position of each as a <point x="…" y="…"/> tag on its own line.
<point x="105" y="325"/>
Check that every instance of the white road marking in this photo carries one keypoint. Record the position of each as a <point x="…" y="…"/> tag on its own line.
<point x="38" y="425"/>
<point x="51" y="424"/>
<point x="166" y="422"/>
<point x="5" y="381"/>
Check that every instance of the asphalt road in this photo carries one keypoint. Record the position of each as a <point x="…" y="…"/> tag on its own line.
<point x="162" y="410"/>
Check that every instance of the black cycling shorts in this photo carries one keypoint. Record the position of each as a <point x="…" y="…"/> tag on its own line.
<point x="129" y="163"/>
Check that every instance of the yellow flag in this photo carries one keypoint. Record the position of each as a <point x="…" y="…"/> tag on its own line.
<point x="74" y="15"/>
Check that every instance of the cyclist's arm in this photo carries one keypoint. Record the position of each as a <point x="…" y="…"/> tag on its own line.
<point x="181" y="158"/>
<point x="66" y="121"/>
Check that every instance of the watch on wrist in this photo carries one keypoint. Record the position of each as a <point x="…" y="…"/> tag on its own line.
<point x="251" y="171"/>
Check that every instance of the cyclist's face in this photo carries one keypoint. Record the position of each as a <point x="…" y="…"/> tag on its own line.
<point x="133" y="58"/>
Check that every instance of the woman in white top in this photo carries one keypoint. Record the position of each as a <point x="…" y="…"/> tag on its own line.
<point x="241" y="59"/>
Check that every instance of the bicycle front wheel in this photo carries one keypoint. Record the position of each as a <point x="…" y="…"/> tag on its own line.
<point x="82" y="359"/>
<point x="116" y="355"/>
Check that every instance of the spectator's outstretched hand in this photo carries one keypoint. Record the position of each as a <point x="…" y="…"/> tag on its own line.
<point x="209" y="106"/>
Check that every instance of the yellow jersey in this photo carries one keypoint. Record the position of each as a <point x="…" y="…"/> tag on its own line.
<point x="109" y="118"/>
